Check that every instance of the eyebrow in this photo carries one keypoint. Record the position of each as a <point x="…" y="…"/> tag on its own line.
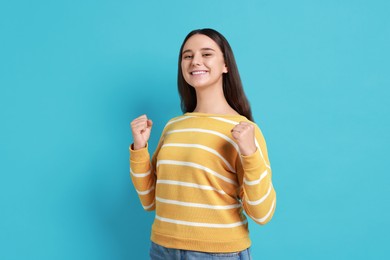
<point x="203" y="49"/>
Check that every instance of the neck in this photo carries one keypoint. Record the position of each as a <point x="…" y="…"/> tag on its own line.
<point x="211" y="100"/>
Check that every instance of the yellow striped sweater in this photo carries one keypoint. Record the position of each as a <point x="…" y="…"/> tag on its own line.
<point x="199" y="184"/>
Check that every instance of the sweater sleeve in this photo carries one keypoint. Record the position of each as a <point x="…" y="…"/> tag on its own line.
<point x="257" y="192"/>
<point x="143" y="174"/>
<point x="143" y="177"/>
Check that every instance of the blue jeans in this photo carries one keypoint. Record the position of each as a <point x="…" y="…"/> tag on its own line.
<point x="158" y="252"/>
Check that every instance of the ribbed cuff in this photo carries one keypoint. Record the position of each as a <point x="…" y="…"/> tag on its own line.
<point x="252" y="161"/>
<point x="140" y="154"/>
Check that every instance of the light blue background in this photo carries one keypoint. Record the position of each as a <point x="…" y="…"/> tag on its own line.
<point x="75" y="73"/>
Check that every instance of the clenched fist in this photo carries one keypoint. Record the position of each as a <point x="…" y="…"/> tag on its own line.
<point x="141" y="128"/>
<point x="244" y="134"/>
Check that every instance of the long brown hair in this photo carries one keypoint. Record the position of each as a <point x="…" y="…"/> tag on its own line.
<point x="232" y="86"/>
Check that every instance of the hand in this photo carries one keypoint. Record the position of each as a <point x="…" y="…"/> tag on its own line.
<point x="141" y="128"/>
<point x="244" y="134"/>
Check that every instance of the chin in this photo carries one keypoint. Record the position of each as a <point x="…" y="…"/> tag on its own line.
<point x="198" y="86"/>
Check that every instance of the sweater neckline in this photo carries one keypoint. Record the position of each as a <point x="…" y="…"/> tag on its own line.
<point x="198" y="114"/>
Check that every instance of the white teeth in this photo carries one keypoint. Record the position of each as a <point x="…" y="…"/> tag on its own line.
<point x="198" y="72"/>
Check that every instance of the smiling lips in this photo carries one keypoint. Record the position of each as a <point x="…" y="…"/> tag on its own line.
<point x="198" y="72"/>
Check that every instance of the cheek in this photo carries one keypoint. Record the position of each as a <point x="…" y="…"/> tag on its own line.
<point x="183" y="67"/>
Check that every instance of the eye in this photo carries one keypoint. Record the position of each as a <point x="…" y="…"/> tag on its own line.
<point x="207" y="54"/>
<point x="187" y="57"/>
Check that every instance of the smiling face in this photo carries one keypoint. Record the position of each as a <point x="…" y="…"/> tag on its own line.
<point x="202" y="62"/>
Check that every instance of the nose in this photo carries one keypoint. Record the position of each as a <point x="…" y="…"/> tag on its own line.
<point x="196" y="60"/>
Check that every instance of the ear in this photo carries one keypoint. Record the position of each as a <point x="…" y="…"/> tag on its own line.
<point x="225" y="69"/>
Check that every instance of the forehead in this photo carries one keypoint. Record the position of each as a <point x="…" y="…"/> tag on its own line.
<point x="200" y="41"/>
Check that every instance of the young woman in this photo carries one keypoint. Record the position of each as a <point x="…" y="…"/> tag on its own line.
<point x="211" y="163"/>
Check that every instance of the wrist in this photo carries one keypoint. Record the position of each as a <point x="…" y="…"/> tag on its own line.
<point x="138" y="146"/>
<point x="248" y="151"/>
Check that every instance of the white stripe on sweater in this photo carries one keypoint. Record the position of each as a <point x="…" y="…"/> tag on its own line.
<point x="261" y="220"/>
<point x="189" y="184"/>
<point x="199" y="224"/>
<point x="149" y="206"/>
<point x="198" y="166"/>
<point x="255" y="182"/>
<point x="206" y="148"/>
<point x="139" y="175"/>
<point x="177" y="120"/>
<point x="257" y="202"/>
<point x="145" y="192"/>
<point x="225" y="120"/>
<point x="200" y="130"/>
<point x="198" y="205"/>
